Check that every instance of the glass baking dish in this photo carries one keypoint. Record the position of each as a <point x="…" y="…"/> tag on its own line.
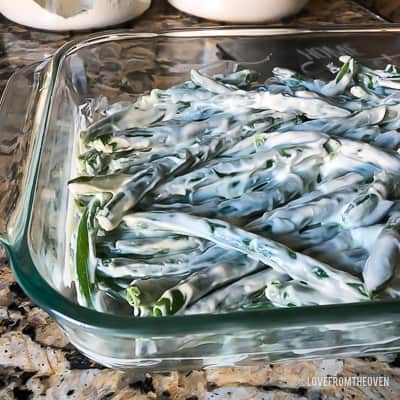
<point x="40" y="115"/>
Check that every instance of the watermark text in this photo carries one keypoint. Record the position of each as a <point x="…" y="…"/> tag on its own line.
<point x="349" y="381"/>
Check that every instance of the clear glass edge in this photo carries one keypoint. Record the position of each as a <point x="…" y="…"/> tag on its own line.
<point x="63" y="309"/>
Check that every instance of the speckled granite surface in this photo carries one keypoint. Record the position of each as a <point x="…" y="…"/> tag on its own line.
<point x="387" y="9"/>
<point x="36" y="361"/>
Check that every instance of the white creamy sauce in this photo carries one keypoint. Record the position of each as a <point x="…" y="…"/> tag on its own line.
<point x="216" y="198"/>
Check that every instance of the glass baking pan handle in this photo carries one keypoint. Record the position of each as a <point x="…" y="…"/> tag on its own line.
<point x="20" y="107"/>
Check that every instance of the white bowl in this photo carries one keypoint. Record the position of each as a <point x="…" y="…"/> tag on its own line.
<point x="104" y="13"/>
<point x="240" y="11"/>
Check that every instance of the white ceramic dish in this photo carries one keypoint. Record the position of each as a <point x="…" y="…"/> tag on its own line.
<point x="240" y="11"/>
<point x="104" y="13"/>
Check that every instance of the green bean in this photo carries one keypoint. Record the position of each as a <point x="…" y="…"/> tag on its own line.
<point x="349" y="249"/>
<point x="279" y="257"/>
<point x="142" y="294"/>
<point x="237" y="295"/>
<point x="312" y="107"/>
<point x="221" y="194"/>
<point x="290" y="218"/>
<point x="154" y="246"/>
<point x="231" y="177"/>
<point x="85" y="261"/>
<point x="350" y="207"/>
<point x="123" y="119"/>
<point x="134" y="269"/>
<point x="297" y="294"/>
<point x="333" y="88"/>
<point x="340" y="126"/>
<point x="210" y="84"/>
<point x="384" y="257"/>
<point x="241" y="79"/>
<point x="200" y="283"/>
<point x="309" y="236"/>
<point x="372" y="203"/>
<point x="161" y="265"/>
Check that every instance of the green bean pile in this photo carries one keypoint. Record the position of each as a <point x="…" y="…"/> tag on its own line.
<point x="223" y="194"/>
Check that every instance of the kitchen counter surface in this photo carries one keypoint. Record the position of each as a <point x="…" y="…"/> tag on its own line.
<point x="36" y="360"/>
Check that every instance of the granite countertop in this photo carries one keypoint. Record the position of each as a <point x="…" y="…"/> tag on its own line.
<point x="36" y="360"/>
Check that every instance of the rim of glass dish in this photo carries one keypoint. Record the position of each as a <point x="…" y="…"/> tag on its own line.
<point x="62" y="308"/>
